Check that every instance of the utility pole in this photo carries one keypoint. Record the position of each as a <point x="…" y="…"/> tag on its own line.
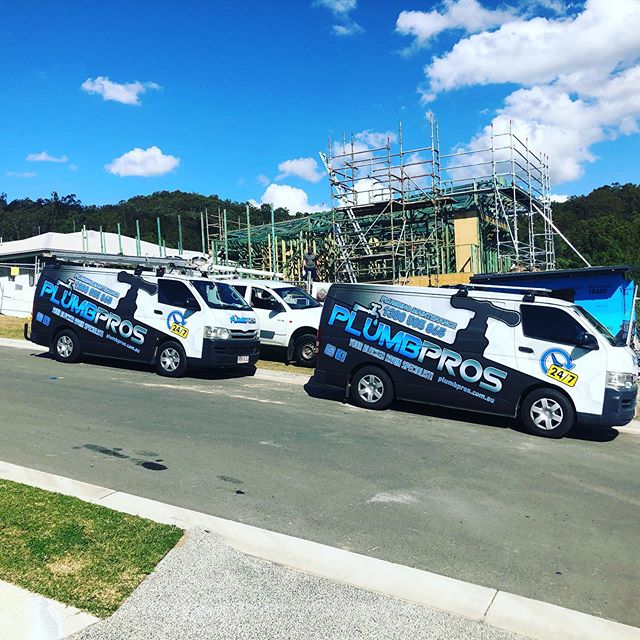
<point x="273" y="238"/>
<point x="249" y="239"/>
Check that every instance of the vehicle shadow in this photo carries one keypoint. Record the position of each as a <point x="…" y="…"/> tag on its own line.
<point x="579" y="432"/>
<point x="129" y="365"/>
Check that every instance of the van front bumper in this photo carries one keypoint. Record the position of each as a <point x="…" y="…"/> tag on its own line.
<point x="225" y="353"/>
<point x="618" y="409"/>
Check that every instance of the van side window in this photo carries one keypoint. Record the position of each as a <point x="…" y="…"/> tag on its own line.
<point x="241" y="289"/>
<point x="175" y="294"/>
<point x="549" y="324"/>
<point x="262" y="299"/>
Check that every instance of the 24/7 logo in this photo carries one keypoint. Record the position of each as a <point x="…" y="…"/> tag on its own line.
<point x="176" y="323"/>
<point x="557" y="364"/>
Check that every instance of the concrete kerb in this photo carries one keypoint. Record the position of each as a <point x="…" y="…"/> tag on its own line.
<point x="45" y="619"/>
<point x="510" y="612"/>
<point x="21" y="344"/>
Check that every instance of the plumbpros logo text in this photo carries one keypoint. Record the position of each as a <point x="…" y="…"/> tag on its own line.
<point x="63" y="297"/>
<point x="418" y="349"/>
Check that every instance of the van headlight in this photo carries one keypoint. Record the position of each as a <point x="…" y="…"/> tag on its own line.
<point x="619" y="380"/>
<point x="216" y="333"/>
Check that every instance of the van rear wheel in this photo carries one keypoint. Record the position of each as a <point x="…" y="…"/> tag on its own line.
<point x="305" y="353"/>
<point x="371" y="388"/>
<point x="66" y="346"/>
<point x="547" y="413"/>
<point x="171" y="360"/>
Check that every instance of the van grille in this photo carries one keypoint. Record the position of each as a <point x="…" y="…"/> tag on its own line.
<point x="249" y="334"/>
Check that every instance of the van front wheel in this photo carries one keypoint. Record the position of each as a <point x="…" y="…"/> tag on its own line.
<point x="171" y="360"/>
<point x="547" y="412"/>
<point x="371" y="388"/>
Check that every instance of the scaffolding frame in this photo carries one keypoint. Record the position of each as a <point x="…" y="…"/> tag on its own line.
<point x="394" y="212"/>
<point x="393" y="207"/>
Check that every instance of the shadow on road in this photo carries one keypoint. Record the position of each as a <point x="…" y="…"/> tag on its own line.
<point x="586" y="433"/>
<point x="129" y="365"/>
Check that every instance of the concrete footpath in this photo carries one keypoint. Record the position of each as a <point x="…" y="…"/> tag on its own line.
<point x="206" y="589"/>
<point x="209" y="587"/>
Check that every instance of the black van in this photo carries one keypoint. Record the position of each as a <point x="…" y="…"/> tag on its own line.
<point x="523" y="354"/>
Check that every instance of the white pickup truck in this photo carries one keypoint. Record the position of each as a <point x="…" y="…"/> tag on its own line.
<point x="288" y="317"/>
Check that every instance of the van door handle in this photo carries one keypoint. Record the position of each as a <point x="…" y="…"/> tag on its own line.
<point x="525" y="349"/>
<point x="157" y="312"/>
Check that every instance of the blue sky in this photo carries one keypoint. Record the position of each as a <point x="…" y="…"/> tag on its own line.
<point x="217" y="95"/>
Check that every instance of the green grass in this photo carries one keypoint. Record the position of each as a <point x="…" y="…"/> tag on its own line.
<point x="11" y="327"/>
<point x="75" y="552"/>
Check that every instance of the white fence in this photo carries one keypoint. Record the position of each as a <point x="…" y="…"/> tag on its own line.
<point x="17" y="289"/>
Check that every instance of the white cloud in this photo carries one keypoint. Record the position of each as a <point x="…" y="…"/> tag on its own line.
<point x="365" y="191"/>
<point x="291" y="198"/>
<point x="558" y="197"/>
<point x="142" y="162"/>
<point x="125" y="93"/>
<point x="341" y="10"/>
<point x="468" y="15"/>
<point x="337" y="7"/>
<point x="21" y="174"/>
<point x="305" y="168"/>
<point x="363" y="142"/>
<point x="375" y="139"/>
<point x="262" y="179"/>
<point x="593" y="43"/>
<point x="578" y="77"/>
<point x="43" y="156"/>
<point x="348" y="29"/>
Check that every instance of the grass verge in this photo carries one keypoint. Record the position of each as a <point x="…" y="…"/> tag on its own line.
<point x="11" y="327"/>
<point x="76" y="552"/>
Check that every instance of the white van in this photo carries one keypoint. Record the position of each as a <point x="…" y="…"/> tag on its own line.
<point x="288" y="316"/>
<point x="488" y="349"/>
<point x="172" y="318"/>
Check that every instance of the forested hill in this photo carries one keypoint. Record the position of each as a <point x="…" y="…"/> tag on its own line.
<point x="604" y="225"/>
<point x="25" y="218"/>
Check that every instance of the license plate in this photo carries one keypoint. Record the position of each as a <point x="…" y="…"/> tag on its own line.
<point x="243" y="359"/>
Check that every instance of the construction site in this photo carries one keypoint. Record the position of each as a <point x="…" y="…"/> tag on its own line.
<point x="412" y="215"/>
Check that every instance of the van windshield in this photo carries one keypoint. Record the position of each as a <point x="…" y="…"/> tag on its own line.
<point x="219" y="295"/>
<point x="297" y="298"/>
<point x="600" y="328"/>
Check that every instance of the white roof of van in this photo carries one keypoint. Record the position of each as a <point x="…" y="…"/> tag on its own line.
<point x="481" y="293"/>
<point x="273" y="284"/>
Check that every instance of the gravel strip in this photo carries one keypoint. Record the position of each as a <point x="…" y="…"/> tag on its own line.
<point x="206" y="589"/>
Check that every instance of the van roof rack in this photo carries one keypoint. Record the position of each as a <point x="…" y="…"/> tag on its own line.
<point x="108" y="259"/>
<point x="193" y="267"/>
<point x="529" y="293"/>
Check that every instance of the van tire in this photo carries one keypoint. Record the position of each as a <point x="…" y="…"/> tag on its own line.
<point x="66" y="346"/>
<point x="171" y="360"/>
<point x="304" y="351"/>
<point x="371" y="388"/>
<point x="547" y="412"/>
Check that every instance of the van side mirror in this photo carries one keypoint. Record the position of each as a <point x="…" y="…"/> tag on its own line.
<point x="587" y="341"/>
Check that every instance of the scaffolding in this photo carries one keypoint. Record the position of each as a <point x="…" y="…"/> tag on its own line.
<point x="398" y="214"/>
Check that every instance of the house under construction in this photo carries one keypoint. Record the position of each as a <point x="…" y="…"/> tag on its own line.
<point x="416" y="215"/>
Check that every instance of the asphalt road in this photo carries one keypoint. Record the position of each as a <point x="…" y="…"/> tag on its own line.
<point x="555" y="520"/>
